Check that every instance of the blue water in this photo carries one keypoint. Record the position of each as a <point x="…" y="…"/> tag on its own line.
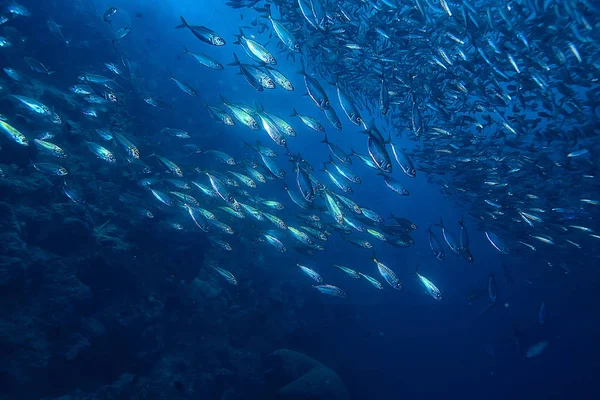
<point x="140" y="311"/>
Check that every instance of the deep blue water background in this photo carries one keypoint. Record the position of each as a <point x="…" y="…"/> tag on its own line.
<point x="383" y="344"/>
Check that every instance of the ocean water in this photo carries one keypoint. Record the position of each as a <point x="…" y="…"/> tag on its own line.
<point x="99" y="301"/>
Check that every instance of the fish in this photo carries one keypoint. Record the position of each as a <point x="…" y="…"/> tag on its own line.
<point x="284" y="35"/>
<point x="372" y="281"/>
<point x="256" y="77"/>
<point x="394" y="185"/>
<point x="219" y="115"/>
<point x="492" y="288"/>
<point x="379" y="154"/>
<point x="315" y="91"/>
<point x="204" y="60"/>
<point x="109" y="13"/>
<point x="241" y="115"/>
<point x="229" y="277"/>
<point x="50" y="169"/>
<point x="303" y="181"/>
<point x="129" y="147"/>
<point x="496" y="242"/>
<point x="309" y="121"/>
<point x="536" y="349"/>
<point x="37" y="66"/>
<point x="184" y="86"/>
<point x="13" y="134"/>
<point x="4" y="42"/>
<point x="435" y="245"/>
<point x="337" y="151"/>
<point x="272" y="130"/>
<point x="388" y="275"/>
<point x="311" y="273"/>
<point x="450" y="239"/>
<point x="169" y="165"/>
<point x="331" y="290"/>
<point x="49" y="148"/>
<point x="403" y="161"/>
<point x="429" y="286"/>
<point x="202" y="33"/>
<point x="255" y="50"/>
<point x="121" y="33"/>
<point x="464" y="250"/>
<point x="347" y="104"/>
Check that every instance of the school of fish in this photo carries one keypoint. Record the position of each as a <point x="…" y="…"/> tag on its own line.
<point x="495" y="102"/>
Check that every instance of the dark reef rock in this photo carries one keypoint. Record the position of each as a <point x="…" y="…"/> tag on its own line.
<point x="295" y="376"/>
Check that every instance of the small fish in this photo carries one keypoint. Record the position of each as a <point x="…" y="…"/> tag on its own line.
<point x="184" y="86"/>
<point x="255" y="50"/>
<point x="492" y="288"/>
<point x="229" y="277"/>
<point x="205" y="60"/>
<point x="387" y="274"/>
<point x="13" y="134"/>
<point x="311" y="273"/>
<point x="536" y="349"/>
<point x="497" y="242"/>
<point x="203" y="33"/>
<point x="121" y="33"/>
<point x="350" y="272"/>
<point x="49" y="148"/>
<point x="101" y="152"/>
<point x="37" y="66"/>
<point x="309" y="121"/>
<point x="372" y="281"/>
<point x="429" y="286"/>
<point x="108" y="14"/>
<point x="331" y="290"/>
<point x="435" y="246"/>
<point x="50" y="169"/>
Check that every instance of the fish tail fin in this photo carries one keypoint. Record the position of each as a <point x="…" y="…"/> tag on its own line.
<point x="367" y="127"/>
<point x="236" y="60"/>
<point x="374" y="256"/>
<point x="352" y="152"/>
<point x="223" y="99"/>
<point x="302" y="70"/>
<point x="392" y="215"/>
<point x="51" y="72"/>
<point x="184" y="23"/>
<point x="186" y="51"/>
<point x="294" y="112"/>
<point x="417" y="269"/>
<point x="325" y="140"/>
<point x="267" y="11"/>
<point x="239" y="37"/>
<point x="285" y="186"/>
<point x="462" y="220"/>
